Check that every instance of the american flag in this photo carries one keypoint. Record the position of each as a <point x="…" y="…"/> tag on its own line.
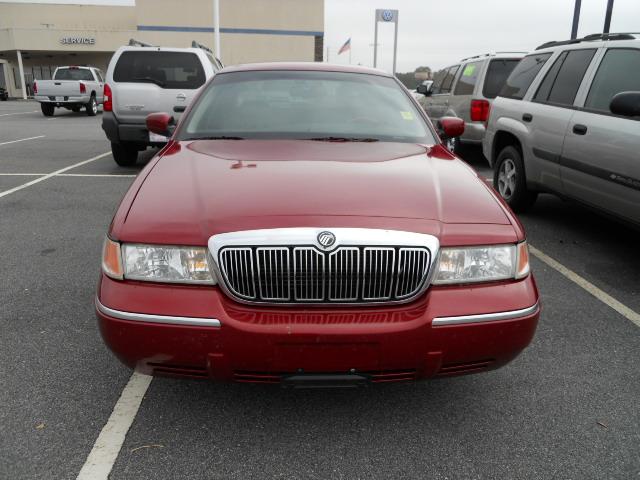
<point x="345" y="47"/>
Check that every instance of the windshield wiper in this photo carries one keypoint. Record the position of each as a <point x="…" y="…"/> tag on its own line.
<point x="343" y="139"/>
<point x="160" y="83"/>
<point x="216" y="137"/>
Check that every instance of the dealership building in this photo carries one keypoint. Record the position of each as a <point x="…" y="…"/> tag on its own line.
<point x="38" y="36"/>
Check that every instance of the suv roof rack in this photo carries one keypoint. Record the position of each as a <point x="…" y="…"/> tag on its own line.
<point x="195" y="44"/>
<point x="591" y="38"/>
<point x="487" y="55"/>
<point x="137" y="43"/>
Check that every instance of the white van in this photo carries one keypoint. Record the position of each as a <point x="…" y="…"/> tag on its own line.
<point x="143" y="79"/>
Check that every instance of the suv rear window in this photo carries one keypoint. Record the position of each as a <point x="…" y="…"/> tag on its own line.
<point x="497" y="74"/>
<point x="73" y="74"/>
<point x="522" y="76"/>
<point x="468" y="79"/>
<point x="165" y="69"/>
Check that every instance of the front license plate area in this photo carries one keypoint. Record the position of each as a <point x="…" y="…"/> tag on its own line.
<point x="325" y="381"/>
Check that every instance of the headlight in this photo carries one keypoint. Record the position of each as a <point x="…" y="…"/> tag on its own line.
<point x="155" y="263"/>
<point x="482" y="264"/>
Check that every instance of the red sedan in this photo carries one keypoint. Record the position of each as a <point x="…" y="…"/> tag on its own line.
<point x="306" y="226"/>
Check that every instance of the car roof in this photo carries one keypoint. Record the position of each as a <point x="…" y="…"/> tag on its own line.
<point x="304" y="66"/>
<point x="629" y="40"/>
<point x="128" y="48"/>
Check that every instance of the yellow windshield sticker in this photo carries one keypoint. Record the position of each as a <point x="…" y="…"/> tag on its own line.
<point x="407" y="115"/>
<point x="468" y="70"/>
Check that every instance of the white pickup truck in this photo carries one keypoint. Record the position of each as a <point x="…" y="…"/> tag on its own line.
<point x="72" y="88"/>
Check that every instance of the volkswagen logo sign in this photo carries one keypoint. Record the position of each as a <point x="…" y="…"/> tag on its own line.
<point x="387" y="15"/>
<point x="326" y="239"/>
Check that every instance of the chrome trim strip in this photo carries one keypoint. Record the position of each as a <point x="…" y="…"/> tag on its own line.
<point x="144" y="317"/>
<point x="486" y="317"/>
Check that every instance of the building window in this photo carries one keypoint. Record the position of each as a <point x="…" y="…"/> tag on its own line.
<point x="318" y="48"/>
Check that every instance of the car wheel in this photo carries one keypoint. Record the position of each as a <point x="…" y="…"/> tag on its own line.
<point x="124" y="155"/>
<point x="47" y="109"/>
<point x="92" y="107"/>
<point x="510" y="180"/>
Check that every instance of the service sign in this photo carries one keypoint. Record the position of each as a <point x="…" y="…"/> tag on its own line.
<point x="78" y="41"/>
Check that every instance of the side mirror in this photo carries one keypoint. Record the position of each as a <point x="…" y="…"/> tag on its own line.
<point x="161" y="124"/>
<point x="450" y="127"/>
<point x="424" y="90"/>
<point x="626" y="103"/>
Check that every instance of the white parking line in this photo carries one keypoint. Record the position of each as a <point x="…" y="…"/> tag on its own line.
<point x="22" y="140"/>
<point x="588" y="286"/>
<point x="67" y="175"/>
<point x="105" y="451"/>
<point x="53" y="174"/>
<point x="17" y="113"/>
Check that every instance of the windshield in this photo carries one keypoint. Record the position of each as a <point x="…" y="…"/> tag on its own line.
<point x="306" y="105"/>
<point x="73" y="74"/>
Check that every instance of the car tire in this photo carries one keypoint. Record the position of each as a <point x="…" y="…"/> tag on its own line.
<point x="47" y="109"/>
<point x="510" y="181"/>
<point x="92" y="107"/>
<point x="452" y="144"/>
<point x="124" y="155"/>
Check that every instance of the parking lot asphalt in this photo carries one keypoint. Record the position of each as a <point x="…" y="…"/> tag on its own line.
<point x="567" y="408"/>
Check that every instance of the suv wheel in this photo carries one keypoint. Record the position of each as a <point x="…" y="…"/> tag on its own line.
<point x="47" y="109"/>
<point x="92" y="107"/>
<point x="452" y="144"/>
<point x="124" y="155"/>
<point x="510" y="181"/>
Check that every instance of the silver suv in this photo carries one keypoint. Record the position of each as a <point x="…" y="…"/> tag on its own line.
<point x="466" y="90"/>
<point x="143" y="79"/>
<point x="568" y="122"/>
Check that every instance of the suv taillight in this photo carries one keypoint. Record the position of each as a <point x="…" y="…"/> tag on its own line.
<point x="35" y="88"/>
<point x="479" y="110"/>
<point x="107" y="106"/>
<point x="83" y="88"/>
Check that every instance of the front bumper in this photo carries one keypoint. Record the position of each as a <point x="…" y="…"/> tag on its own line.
<point x="199" y="332"/>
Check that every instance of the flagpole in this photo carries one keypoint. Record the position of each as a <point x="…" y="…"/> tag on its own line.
<point x="350" y="50"/>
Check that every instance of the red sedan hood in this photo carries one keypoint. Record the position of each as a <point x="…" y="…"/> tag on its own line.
<point x="203" y="187"/>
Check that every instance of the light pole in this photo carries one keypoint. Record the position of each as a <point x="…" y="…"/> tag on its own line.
<point x="216" y="27"/>
<point x="607" y="18"/>
<point x="576" y="20"/>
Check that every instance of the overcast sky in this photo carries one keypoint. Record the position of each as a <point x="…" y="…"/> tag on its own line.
<point x="437" y="33"/>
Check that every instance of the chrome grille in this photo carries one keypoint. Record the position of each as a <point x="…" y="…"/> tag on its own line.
<point x="413" y="264"/>
<point x="238" y="271"/>
<point x="304" y="274"/>
<point x="308" y="274"/>
<point x="344" y="274"/>
<point x="378" y="268"/>
<point x="273" y="273"/>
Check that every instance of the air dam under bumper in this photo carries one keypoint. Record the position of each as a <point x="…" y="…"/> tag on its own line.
<point x="448" y="331"/>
